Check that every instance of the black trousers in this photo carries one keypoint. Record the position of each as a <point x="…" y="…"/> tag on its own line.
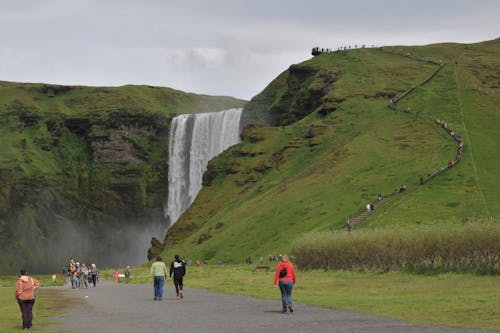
<point x="178" y="284"/>
<point x="26" y="307"/>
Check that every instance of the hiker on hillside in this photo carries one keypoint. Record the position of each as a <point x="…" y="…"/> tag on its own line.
<point x="285" y="274"/>
<point x="159" y="274"/>
<point x="178" y="267"/>
<point x="25" y="296"/>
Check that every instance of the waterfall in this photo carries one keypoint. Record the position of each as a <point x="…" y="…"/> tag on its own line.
<point x="194" y="140"/>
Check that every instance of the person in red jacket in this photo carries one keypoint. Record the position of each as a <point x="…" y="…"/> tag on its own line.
<point x="25" y="296"/>
<point x="285" y="274"/>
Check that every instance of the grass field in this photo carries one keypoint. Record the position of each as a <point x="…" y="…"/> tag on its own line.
<point x="48" y="304"/>
<point x="460" y="300"/>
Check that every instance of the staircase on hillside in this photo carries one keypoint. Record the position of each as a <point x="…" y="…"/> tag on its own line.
<point x="362" y="215"/>
<point x="353" y="222"/>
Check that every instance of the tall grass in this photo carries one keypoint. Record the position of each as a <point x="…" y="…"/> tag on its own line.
<point x="472" y="247"/>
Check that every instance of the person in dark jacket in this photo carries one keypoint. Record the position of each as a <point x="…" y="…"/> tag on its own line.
<point x="285" y="274"/>
<point x="178" y="268"/>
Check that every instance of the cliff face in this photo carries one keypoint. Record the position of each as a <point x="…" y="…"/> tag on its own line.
<point x="84" y="171"/>
<point x="293" y="95"/>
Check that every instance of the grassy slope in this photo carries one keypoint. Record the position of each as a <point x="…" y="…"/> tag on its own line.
<point x="452" y="95"/>
<point x="259" y="202"/>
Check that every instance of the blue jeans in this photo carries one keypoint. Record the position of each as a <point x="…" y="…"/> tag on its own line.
<point x="286" y="293"/>
<point x="77" y="281"/>
<point x="158" y="284"/>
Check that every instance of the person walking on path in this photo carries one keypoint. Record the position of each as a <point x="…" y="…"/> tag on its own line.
<point x="116" y="275"/>
<point x="85" y="273"/>
<point x="76" y="276"/>
<point x="127" y="273"/>
<point x="71" y="274"/>
<point x="285" y="274"/>
<point x="94" y="273"/>
<point x="159" y="274"/>
<point x="178" y="267"/>
<point x="25" y="296"/>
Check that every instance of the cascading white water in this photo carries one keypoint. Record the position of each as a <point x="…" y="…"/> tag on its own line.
<point x="194" y="140"/>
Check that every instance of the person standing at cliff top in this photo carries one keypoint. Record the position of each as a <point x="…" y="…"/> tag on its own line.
<point x="285" y="274"/>
<point x="159" y="274"/>
<point x="178" y="267"/>
<point x="25" y="296"/>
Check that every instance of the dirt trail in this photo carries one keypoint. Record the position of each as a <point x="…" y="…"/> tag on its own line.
<point x="130" y="308"/>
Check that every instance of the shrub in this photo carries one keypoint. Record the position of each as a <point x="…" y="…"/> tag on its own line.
<point x="472" y="247"/>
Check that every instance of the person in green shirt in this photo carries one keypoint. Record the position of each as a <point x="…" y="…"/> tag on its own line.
<point x="159" y="273"/>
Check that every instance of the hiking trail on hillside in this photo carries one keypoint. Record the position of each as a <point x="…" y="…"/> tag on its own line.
<point x="354" y="221"/>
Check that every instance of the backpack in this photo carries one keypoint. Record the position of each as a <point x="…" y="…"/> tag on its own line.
<point x="283" y="272"/>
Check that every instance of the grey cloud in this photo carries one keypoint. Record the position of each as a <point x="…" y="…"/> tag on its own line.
<point x="215" y="47"/>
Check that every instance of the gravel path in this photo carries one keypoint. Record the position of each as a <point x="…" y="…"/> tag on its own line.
<point x="130" y="308"/>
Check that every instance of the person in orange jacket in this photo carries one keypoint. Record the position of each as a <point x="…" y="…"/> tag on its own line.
<point x="285" y="274"/>
<point x="25" y="296"/>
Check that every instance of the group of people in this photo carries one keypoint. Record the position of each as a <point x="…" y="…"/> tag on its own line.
<point x="457" y="137"/>
<point x="271" y="259"/>
<point x="460" y="147"/>
<point x="285" y="278"/>
<point x="126" y="274"/>
<point x="319" y="50"/>
<point x="26" y="285"/>
<point x="80" y="275"/>
<point x="159" y="274"/>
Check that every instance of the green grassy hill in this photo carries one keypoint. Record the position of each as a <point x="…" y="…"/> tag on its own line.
<point x="83" y="170"/>
<point x="335" y="144"/>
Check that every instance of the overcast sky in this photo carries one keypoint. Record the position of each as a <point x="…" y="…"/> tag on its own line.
<point x="232" y="47"/>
